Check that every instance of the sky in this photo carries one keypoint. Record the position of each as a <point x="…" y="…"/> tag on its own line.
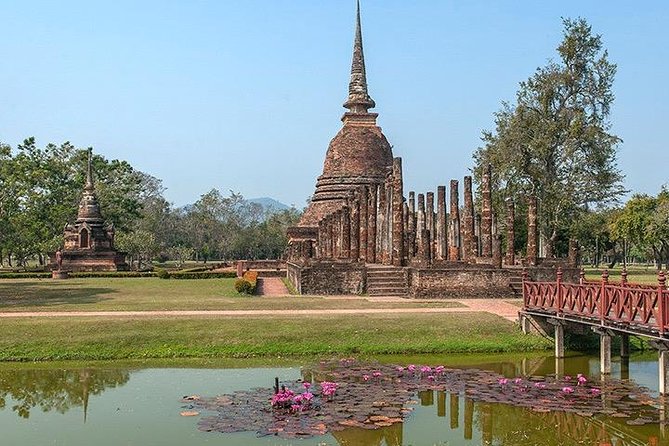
<point x="246" y="95"/>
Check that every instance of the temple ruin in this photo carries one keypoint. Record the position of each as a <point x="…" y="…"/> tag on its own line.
<point x="360" y="235"/>
<point x="88" y="243"/>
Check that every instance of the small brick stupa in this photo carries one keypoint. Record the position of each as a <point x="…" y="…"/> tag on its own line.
<point x="359" y="155"/>
<point x="89" y="243"/>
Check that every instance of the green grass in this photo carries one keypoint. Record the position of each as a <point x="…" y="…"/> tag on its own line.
<point x="142" y="294"/>
<point x="39" y="339"/>
<point x="635" y="274"/>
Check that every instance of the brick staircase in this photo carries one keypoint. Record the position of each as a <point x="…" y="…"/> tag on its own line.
<point x="386" y="281"/>
<point x="516" y="285"/>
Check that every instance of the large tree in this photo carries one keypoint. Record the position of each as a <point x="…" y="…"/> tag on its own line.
<point x="555" y="142"/>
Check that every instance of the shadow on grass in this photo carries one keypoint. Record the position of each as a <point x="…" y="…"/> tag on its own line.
<point x="49" y="295"/>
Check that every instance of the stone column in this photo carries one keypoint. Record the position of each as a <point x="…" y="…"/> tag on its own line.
<point x="469" y="251"/>
<point x="364" y="200"/>
<point x="407" y="233"/>
<point x="424" y="254"/>
<point x="383" y="251"/>
<point x="320" y="246"/>
<point x="331" y="236"/>
<point x="532" y="234"/>
<point x="442" y="247"/>
<point x="420" y="220"/>
<point x="454" y="224"/>
<point x="346" y="233"/>
<point x="355" y="228"/>
<point x="411" y="231"/>
<point x="477" y="234"/>
<point x="497" y="251"/>
<point x="510" y="232"/>
<point x="574" y="253"/>
<point x="398" y="221"/>
<point x="429" y="219"/>
<point x="486" y="214"/>
<point x="372" y="215"/>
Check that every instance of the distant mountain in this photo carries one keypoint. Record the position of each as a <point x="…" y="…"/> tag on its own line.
<point x="270" y="204"/>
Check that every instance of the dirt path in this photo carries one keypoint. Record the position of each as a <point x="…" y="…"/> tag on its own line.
<point x="494" y="306"/>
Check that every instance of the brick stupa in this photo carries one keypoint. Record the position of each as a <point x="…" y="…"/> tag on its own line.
<point x="89" y="243"/>
<point x="359" y="155"/>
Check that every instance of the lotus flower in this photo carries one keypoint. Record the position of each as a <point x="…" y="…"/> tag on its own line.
<point x="567" y="390"/>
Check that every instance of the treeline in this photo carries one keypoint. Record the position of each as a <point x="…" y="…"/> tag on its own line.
<point x="40" y="189"/>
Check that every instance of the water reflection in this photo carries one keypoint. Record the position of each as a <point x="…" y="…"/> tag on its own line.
<point x="55" y="390"/>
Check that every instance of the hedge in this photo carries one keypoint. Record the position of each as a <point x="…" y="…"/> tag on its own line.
<point x="203" y="275"/>
<point x="126" y="274"/>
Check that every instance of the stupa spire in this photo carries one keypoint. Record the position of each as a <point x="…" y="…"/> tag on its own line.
<point x="359" y="101"/>
<point x="89" y="171"/>
<point x="89" y="209"/>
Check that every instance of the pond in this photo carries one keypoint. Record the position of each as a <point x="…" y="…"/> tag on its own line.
<point x="140" y="404"/>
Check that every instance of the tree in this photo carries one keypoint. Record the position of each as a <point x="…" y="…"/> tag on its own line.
<point x="555" y="142"/>
<point x="644" y="222"/>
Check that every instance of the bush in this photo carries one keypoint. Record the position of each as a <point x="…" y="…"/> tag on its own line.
<point x="248" y="283"/>
<point x="243" y="286"/>
<point x="162" y="273"/>
<point x="203" y="275"/>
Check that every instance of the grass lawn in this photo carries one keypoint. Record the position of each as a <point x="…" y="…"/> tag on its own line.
<point x="635" y="274"/>
<point x="137" y="294"/>
<point x="37" y="339"/>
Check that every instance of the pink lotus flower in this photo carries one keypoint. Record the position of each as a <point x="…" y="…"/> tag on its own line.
<point x="329" y="388"/>
<point x="517" y="380"/>
<point x="411" y="368"/>
<point x="503" y="381"/>
<point x="425" y="369"/>
<point x="400" y="369"/>
<point x="567" y="390"/>
<point x="567" y="377"/>
<point x="540" y="385"/>
<point x="439" y="369"/>
<point x="365" y="377"/>
<point x="295" y="407"/>
<point x="581" y="379"/>
<point x="430" y="377"/>
<point x="306" y="385"/>
<point x="377" y="374"/>
<point x="595" y="391"/>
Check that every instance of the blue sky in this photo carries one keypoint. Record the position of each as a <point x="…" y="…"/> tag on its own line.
<point x="246" y="95"/>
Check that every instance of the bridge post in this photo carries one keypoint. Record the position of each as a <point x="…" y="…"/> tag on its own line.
<point x="605" y="353"/>
<point x="624" y="356"/>
<point x="662" y="369"/>
<point x="558" y="337"/>
<point x="604" y="350"/>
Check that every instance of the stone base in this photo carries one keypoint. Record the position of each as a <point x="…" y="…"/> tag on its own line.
<point x="60" y="274"/>
<point x="83" y="260"/>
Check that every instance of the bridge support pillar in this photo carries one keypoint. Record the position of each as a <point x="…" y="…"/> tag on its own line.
<point x="525" y="323"/>
<point x="604" y="350"/>
<point x="624" y="346"/>
<point x="605" y="353"/>
<point x="559" y="340"/>
<point x="662" y="369"/>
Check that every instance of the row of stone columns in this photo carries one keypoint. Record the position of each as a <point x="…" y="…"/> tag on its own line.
<point x="376" y="225"/>
<point x="369" y="227"/>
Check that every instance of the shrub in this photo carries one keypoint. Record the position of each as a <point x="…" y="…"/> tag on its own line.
<point x="248" y="283"/>
<point x="203" y="275"/>
<point x="162" y="273"/>
<point x="243" y="286"/>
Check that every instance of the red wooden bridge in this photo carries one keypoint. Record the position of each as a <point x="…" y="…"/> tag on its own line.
<point x="625" y="307"/>
<point x="610" y="309"/>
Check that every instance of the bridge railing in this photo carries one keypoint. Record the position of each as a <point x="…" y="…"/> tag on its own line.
<point x="637" y="306"/>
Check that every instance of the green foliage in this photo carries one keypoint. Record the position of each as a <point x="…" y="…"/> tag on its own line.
<point x="555" y="141"/>
<point x="162" y="273"/>
<point x="644" y="222"/>
<point x="243" y="286"/>
<point x="202" y="275"/>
